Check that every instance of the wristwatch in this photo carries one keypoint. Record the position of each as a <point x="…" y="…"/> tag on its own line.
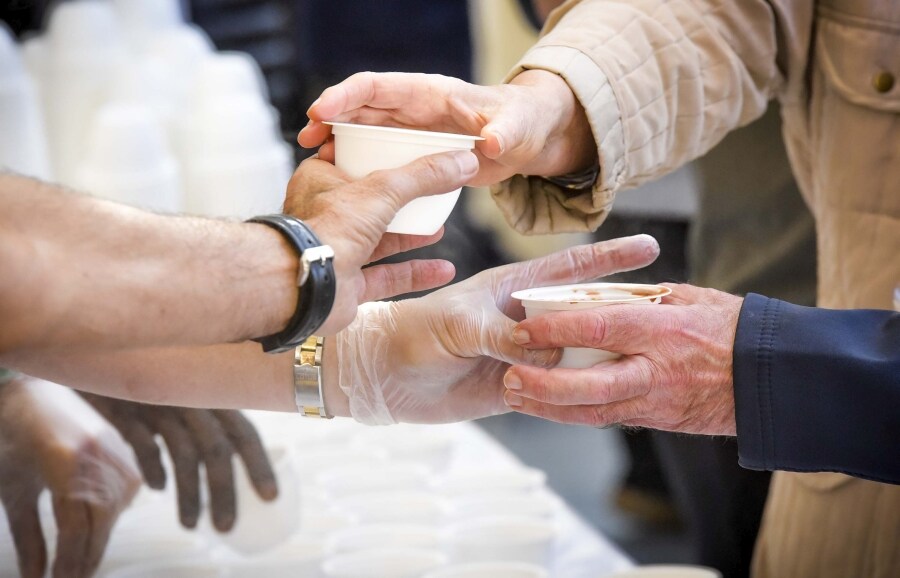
<point x="308" y="394"/>
<point x="315" y="280"/>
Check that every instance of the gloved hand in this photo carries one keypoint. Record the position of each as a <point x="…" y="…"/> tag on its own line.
<point x="193" y="437"/>
<point x="534" y="125"/>
<point x="442" y="357"/>
<point x="50" y="438"/>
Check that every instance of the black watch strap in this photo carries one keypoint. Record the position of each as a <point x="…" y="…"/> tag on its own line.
<point x="315" y="280"/>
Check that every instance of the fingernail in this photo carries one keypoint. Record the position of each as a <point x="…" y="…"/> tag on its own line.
<point x="512" y="400"/>
<point x="468" y="163"/>
<point x="315" y="102"/>
<point x="512" y="381"/>
<point x="521" y="337"/>
<point x="501" y="146"/>
<point x="545" y="357"/>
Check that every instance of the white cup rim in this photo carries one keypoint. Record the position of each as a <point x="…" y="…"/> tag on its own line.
<point x="349" y="126"/>
<point x="563" y="293"/>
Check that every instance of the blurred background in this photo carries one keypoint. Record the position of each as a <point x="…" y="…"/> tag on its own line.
<point x="193" y="105"/>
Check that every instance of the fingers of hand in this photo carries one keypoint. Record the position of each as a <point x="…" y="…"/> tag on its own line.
<point x="74" y="523"/>
<point x="249" y="446"/>
<point x="147" y="452"/>
<point x="25" y="525"/>
<point x="392" y="243"/>
<point x="313" y="134"/>
<point x="604" y="383"/>
<point x="312" y="177"/>
<point x="492" y="336"/>
<point x="390" y="280"/>
<point x="186" y="462"/>
<point x="215" y="451"/>
<point x="591" y="415"/>
<point x="627" y="329"/>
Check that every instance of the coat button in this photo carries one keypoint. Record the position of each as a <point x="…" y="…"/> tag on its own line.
<point x="883" y="82"/>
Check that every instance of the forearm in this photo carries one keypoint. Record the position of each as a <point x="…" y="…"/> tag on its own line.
<point x="82" y="273"/>
<point x="818" y="389"/>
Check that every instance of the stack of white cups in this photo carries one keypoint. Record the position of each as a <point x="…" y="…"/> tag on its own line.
<point x="235" y="163"/>
<point x="83" y="52"/>
<point x="22" y="142"/>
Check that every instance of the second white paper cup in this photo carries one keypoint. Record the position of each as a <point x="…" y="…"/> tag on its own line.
<point x="543" y="300"/>
<point x="362" y="149"/>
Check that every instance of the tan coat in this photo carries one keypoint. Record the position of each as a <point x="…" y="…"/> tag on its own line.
<point x="662" y="82"/>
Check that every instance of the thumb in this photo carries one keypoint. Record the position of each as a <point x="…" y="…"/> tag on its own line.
<point x="429" y="175"/>
<point x="506" y="133"/>
<point x="495" y="340"/>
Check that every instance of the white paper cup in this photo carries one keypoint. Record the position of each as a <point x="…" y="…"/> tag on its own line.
<point x="501" y="538"/>
<point x="490" y="570"/>
<point x="262" y="525"/>
<point x="542" y="300"/>
<point x="170" y="570"/>
<point x="380" y="536"/>
<point x="668" y="571"/>
<point x="384" y="563"/>
<point x="362" y="149"/>
<point x="507" y="480"/>
<point x="404" y="507"/>
<point x="423" y="445"/>
<point x="143" y="20"/>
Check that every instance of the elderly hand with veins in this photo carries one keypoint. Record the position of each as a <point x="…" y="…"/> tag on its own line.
<point x="675" y="373"/>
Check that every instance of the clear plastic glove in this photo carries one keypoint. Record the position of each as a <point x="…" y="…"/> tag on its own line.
<point x="441" y="358"/>
<point x="193" y="437"/>
<point x="50" y="438"/>
<point x="534" y="125"/>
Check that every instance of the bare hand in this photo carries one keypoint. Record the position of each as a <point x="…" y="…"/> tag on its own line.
<point x="675" y="373"/>
<point x="534" y="125"/>
<point x="352" y="217"/>
<point x="193" y="437"/>
<point x="50" y="438"/>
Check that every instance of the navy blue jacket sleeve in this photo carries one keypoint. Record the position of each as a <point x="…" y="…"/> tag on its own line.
<point x="818" y="389"/>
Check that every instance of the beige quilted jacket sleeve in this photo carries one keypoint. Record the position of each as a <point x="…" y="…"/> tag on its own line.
<point x="661" y="82"/>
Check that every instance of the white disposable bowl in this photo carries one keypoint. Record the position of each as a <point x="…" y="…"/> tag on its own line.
<point x="170" y="570"/>
<point x="362" y="149"/>
<point x="490" y="570"/>
<point x="542" y="300"/>
<point x="505" y="480"/>
<point x="423" y="445"/>
<point x="533" y="505"/>
<point x="407" y="507"/>
<point x="380" y="536"/>
<point x="386" y="563"/>
<point x="501" y="538"/>
<point x="359" y="479"/>
<point x="668" y="571"/>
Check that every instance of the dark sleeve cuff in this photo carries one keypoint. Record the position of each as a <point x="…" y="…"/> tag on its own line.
<point x="817" y="389"/>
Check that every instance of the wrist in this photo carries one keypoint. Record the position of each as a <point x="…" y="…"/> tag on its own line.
<point x="336" y="401"/>
<point x="570" y="147"/>
<point x="276" y="266"/>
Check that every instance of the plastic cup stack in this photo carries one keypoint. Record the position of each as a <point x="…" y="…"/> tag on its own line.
<point x="22" y="140"/>
<point x="84" y="50"/>
<point x="128" y="160"/>
<point x="142" y="21"/>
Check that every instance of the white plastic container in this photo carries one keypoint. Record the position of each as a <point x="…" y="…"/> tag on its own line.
<point x="534" y="505"/>
<point x="127" y="159"/>
<point x="358" y="479"/>
<point x="501" y="538"/>
<point x="406" y="507"/>
<point x="668" y="571"/>
<point x="380" y="536"/>
<point x="384" y="563"/>
<point x="143" y="20"/>
<point x="362" y="149"/>
<point x="507" y="480"/>
<point x="543" y="300"/>
<point x="490" y="570"/>
<point x="22" y="145"/>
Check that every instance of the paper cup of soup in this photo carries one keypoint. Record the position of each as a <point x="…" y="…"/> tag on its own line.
<point x="543" y="300"/>
<point x="362" y="149"/>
